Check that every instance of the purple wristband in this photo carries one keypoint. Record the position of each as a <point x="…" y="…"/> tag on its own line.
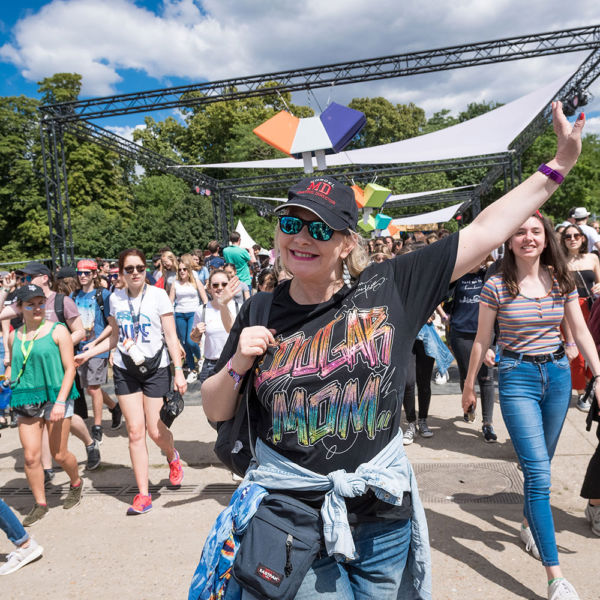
<point x="551" y="173"/>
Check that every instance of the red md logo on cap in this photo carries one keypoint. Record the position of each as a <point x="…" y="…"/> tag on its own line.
<point x="321" y="188"/>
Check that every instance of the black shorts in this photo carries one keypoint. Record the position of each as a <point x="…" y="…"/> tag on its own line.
<point x="156" y="386"/>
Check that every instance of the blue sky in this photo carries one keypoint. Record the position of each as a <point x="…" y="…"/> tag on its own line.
<point x="124" y="46"/>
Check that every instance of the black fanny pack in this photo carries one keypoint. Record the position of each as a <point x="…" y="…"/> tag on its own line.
<point x="146" y="369"/>
<point x="279" y="546"/>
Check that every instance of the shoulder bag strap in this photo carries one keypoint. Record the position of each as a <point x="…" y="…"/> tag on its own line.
<point x="260" y="307"/>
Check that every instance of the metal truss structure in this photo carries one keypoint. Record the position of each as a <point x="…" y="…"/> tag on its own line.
<point x="75" y="117"/>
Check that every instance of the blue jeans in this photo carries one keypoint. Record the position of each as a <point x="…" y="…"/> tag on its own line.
<point x="383" y="549"/>
<point x="534" y="399"/>
<point x="183" y="324"/>
<point x="11" y="525"/>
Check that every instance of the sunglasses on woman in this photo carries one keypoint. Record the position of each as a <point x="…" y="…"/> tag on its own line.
<point x="84" y="273"/>
<point x="182" y="269"/>
<point x="131" y="268"/>
<point x="318" y="230"/>
<point x="113" y="276"/>
<point x="572" y="236"/>
<point x="216" y="286"/>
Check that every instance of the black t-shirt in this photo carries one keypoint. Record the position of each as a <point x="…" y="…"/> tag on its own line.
<point x="328" y="394"/>
<point x="465" y="302"/>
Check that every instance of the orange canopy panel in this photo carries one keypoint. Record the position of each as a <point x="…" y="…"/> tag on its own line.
<point x="393" y="229"/>
<point x="359" y="196"/>
<point x="279" y="131"/>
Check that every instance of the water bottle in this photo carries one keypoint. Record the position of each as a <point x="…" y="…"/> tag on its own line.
<point x="5" y="394"/>
<point x="137" y="356"/>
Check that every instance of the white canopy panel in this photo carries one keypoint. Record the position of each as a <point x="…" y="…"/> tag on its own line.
<point x="436" y="216"/>
<point x="490" y="133"/>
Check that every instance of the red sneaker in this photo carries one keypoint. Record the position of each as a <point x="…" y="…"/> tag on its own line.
<point x="141" y="504"/>
<point x="175" y="470"/>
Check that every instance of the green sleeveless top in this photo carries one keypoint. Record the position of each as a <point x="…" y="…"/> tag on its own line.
<point x="43" y="374"/>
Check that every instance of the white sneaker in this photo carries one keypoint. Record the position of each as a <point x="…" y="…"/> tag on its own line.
<point x="409" y="434"/>
<point x="21" y="556"/>
<point x="440" y="379"/>
<point x="561" y="589"/>
<point x="592" y="514"/>
<point x="192" y="376"/>
<point x="527" y="538"/>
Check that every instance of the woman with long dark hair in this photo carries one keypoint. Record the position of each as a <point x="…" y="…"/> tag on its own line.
<point x="529" y="298"/>
<point x="585" y="267"/>
<point x="143" y="331"/>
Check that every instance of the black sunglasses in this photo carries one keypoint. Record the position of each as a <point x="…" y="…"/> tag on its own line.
<point x="218" y="285"/>
<point x="318" y="230"/>
<point x="131" y="268"/>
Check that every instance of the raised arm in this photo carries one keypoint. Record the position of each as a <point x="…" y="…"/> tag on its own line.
<point x="501" y="219"/>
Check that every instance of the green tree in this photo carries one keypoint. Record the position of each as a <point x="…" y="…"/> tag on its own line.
<point x="23" y="220"/>
<point x="60" y="87"/>
<point x="386" y="122"/>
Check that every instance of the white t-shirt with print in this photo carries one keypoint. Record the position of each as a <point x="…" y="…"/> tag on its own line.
<point x="154" y="303"/>
<point x="215" y="335"/>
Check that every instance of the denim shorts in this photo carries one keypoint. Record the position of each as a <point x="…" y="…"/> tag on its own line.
<point x="46" y="408"/>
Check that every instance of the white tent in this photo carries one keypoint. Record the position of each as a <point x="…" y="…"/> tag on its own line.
<point x="490" y="133"/>
<point x="246" y="241"/>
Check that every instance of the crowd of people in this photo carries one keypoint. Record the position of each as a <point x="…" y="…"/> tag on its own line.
<point x="507" y="290"/>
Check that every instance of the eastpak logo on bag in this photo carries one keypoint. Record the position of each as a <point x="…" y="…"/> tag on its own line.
<point x="269" y="575"/>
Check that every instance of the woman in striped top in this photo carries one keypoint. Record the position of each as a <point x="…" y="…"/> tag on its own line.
<point x="530" y="297"/>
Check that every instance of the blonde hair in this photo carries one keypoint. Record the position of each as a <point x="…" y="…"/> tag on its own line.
<point x="168" y="254"/>
<point x="186" y="261"/>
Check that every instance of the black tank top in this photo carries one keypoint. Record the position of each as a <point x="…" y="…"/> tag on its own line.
<point x="585" y="281"/>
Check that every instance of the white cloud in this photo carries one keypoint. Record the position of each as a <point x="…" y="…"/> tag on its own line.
<point x="125" y="131"/>
<point x="592" y="125"/>
<point x="217" y="39"/>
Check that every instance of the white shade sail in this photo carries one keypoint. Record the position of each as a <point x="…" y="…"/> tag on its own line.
<point x="436" y="216"/>
<point x="490" y="133"/>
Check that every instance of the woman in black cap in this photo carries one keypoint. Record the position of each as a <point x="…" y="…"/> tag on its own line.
<point x="331" y="370"/>
<point x="42" y="372"/>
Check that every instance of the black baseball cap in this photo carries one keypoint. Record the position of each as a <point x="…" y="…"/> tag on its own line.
<point x="36" y="268"/>
<point x="328" y="198"/>
<point x="29" y="291"/>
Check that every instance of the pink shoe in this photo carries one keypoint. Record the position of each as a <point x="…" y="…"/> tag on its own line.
<point x="175" y="470"/>
<point x="141" y="504"/>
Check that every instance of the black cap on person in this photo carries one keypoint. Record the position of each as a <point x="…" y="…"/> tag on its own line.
<point x="29" y="291"/>
<point x="328" y="198"/>
<point x="36" y="268"/>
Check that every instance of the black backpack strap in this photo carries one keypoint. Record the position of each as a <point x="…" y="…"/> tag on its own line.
<point x="100" y="303"/>
<point x="260" y="307"/>
<point x="59" y="308"/>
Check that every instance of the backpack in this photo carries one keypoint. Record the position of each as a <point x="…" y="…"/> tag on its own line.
<point x="233" y="445"/>
<point x="59" y="309"/>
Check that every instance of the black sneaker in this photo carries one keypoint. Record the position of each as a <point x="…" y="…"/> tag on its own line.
<point x="93" y="456"/>
<point x="97" y="433"/>
<point x="117" y="417"/>
<point x="13" y="419"/>
<point x="48" y="476"/>
<point x="489" y="435"/>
